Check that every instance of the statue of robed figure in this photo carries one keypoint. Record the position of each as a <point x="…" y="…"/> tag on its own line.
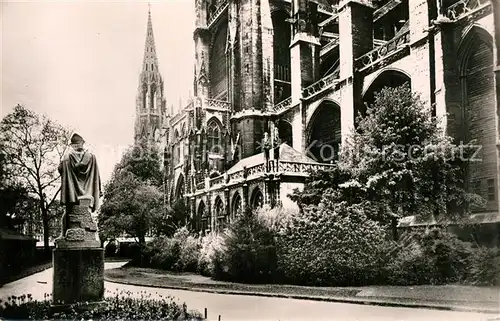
<point x="78" y="257"/>
<point x="80" y="189"/>
<point x="79" y="174"/>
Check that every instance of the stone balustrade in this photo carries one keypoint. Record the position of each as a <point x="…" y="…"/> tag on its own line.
<point x="219" y="180"/>
<point x="218" y="104"/>
<point x="236" y="175"/>
<point x="300" y="167"/>
<point x="320" y="85"/>
<point x="328" y="9"/>
<point x="218" y="12"/>
<point x="380" y="52"/>
<point x="283" y="105"/>
<point x="464" y="7"/>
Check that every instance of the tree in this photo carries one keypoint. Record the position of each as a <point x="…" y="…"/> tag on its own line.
<point x="130" y="206"/>
<point x="133" y="200"/>
<point x="398" y="163"/>
<point x="33" y="146"/>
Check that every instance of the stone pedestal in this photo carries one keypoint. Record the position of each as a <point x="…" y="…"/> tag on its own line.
<point x="78" y="275"/>
<point x="78" y="258"/>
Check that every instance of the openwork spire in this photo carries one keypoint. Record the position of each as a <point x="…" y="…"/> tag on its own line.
<point x="150" y="62"/>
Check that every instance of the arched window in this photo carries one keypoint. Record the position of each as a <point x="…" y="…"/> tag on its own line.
<point x="204" y="218"/>
<point x="285" y="132"/>
<point x="220" y="214"/>
<point x="177" y="147"/>
<point x="236" y="206"/>
<point x="152" y="97"/>
<point x="218" y="65"/>
<point x="179" y="190"/>
<point x="144" y="95"/>
<point x="479" y="112"/>
<point x="257" y="199"/>
<point x="324" y="133"/>
<point x="281" y="45"/>
<point x="213" y="136"/>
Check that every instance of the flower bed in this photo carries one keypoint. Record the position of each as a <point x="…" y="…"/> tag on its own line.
<point x="123" y="305"/>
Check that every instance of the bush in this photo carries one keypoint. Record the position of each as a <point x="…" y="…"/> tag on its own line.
<point x="177" y="253"/>
<point x="163" y="253"/>
<point x="250" y="252"/>
<point x="189" y="251"/>
<point x="330" y="244"/>
<point x="433" y="256"/>
<point x="274" y="218"/>
<point x="405" y="262"/>
<point x="210" y="259"/>
<point x="484" y="267"/>
<point x="447" y="254"/>
<point x="119" y="306"/>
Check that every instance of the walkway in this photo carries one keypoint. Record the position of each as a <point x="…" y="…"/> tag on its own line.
<point x="242" y="307"/>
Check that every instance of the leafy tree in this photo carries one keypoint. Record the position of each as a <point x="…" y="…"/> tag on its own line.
<point x="397" y="163"/>
<point x="133" y="200"/>
<point x="144" y="162"/>
<point x="33" y="146"/>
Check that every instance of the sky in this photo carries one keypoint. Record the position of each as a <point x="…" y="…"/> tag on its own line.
<point x="78" y="62"/>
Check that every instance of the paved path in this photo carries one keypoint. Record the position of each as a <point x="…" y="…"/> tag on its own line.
<point x="241" y="307"/>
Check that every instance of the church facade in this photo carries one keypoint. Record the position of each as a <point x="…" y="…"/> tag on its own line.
<point x="278" y="83"/>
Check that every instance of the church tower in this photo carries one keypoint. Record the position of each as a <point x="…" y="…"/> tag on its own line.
<point x="151" y="111"/>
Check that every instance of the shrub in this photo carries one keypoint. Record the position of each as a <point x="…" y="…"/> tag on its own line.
<point x="433" y="256"/>
<point x="189" y="250"/>
<point x="274" y="218"/>
<point x="484" y="266"/>
<point x="163" y="253"/>
<point x="405" y="262"/>
<point x="330" y="244"/>
<point x="119" y="306"/>
<point x="212" y="247"/>
<point x="250" y="252"/>
<point x="447" y="254"/>
<point x="177" y="253"/>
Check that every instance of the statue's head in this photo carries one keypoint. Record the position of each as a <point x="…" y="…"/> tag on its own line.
<point x="77" y="141"/>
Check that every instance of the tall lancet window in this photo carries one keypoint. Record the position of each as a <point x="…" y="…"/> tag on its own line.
<point x="218" y="65"/>
<point x="144" y="95"/>
<point x="213" y="135"/>
<point x="282" y="71"/>
<point x="152" y="98"/>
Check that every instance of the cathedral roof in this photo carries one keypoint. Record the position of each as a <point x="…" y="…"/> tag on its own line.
<point x="287" y="154"/>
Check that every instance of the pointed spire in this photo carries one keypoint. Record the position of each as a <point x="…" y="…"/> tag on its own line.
<point x="150" y="62"/>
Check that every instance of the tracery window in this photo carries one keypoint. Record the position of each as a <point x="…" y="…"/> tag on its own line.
<point x="214" y="137"/>
<point x="218" y="65"/>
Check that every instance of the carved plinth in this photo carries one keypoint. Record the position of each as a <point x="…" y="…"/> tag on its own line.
<point x="78" y="275"/>
<point x="81" y="230"/>
<point x="78" y="258"/>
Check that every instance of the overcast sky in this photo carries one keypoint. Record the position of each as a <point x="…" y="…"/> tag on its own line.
<point x="78" y="62"/>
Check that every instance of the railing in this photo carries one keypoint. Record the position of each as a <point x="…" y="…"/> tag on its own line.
<point x="320" y="85"/>
<point x="218" y="104"/>
<point x="324" y="8"/>
<point x="219" y="180"/>
<point x="297" y="167"/>
<point x="218" y="12"/>
<point x="282" y="105"/>
<point x="330" y="45"/>
<point x="177" y="117"/>
<point x="380" y="52"/>
<point x="256" y="169"/>
<point x="464" y="7"/>
<point x="200" y="185"/>
<point x="236" y="175"/>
